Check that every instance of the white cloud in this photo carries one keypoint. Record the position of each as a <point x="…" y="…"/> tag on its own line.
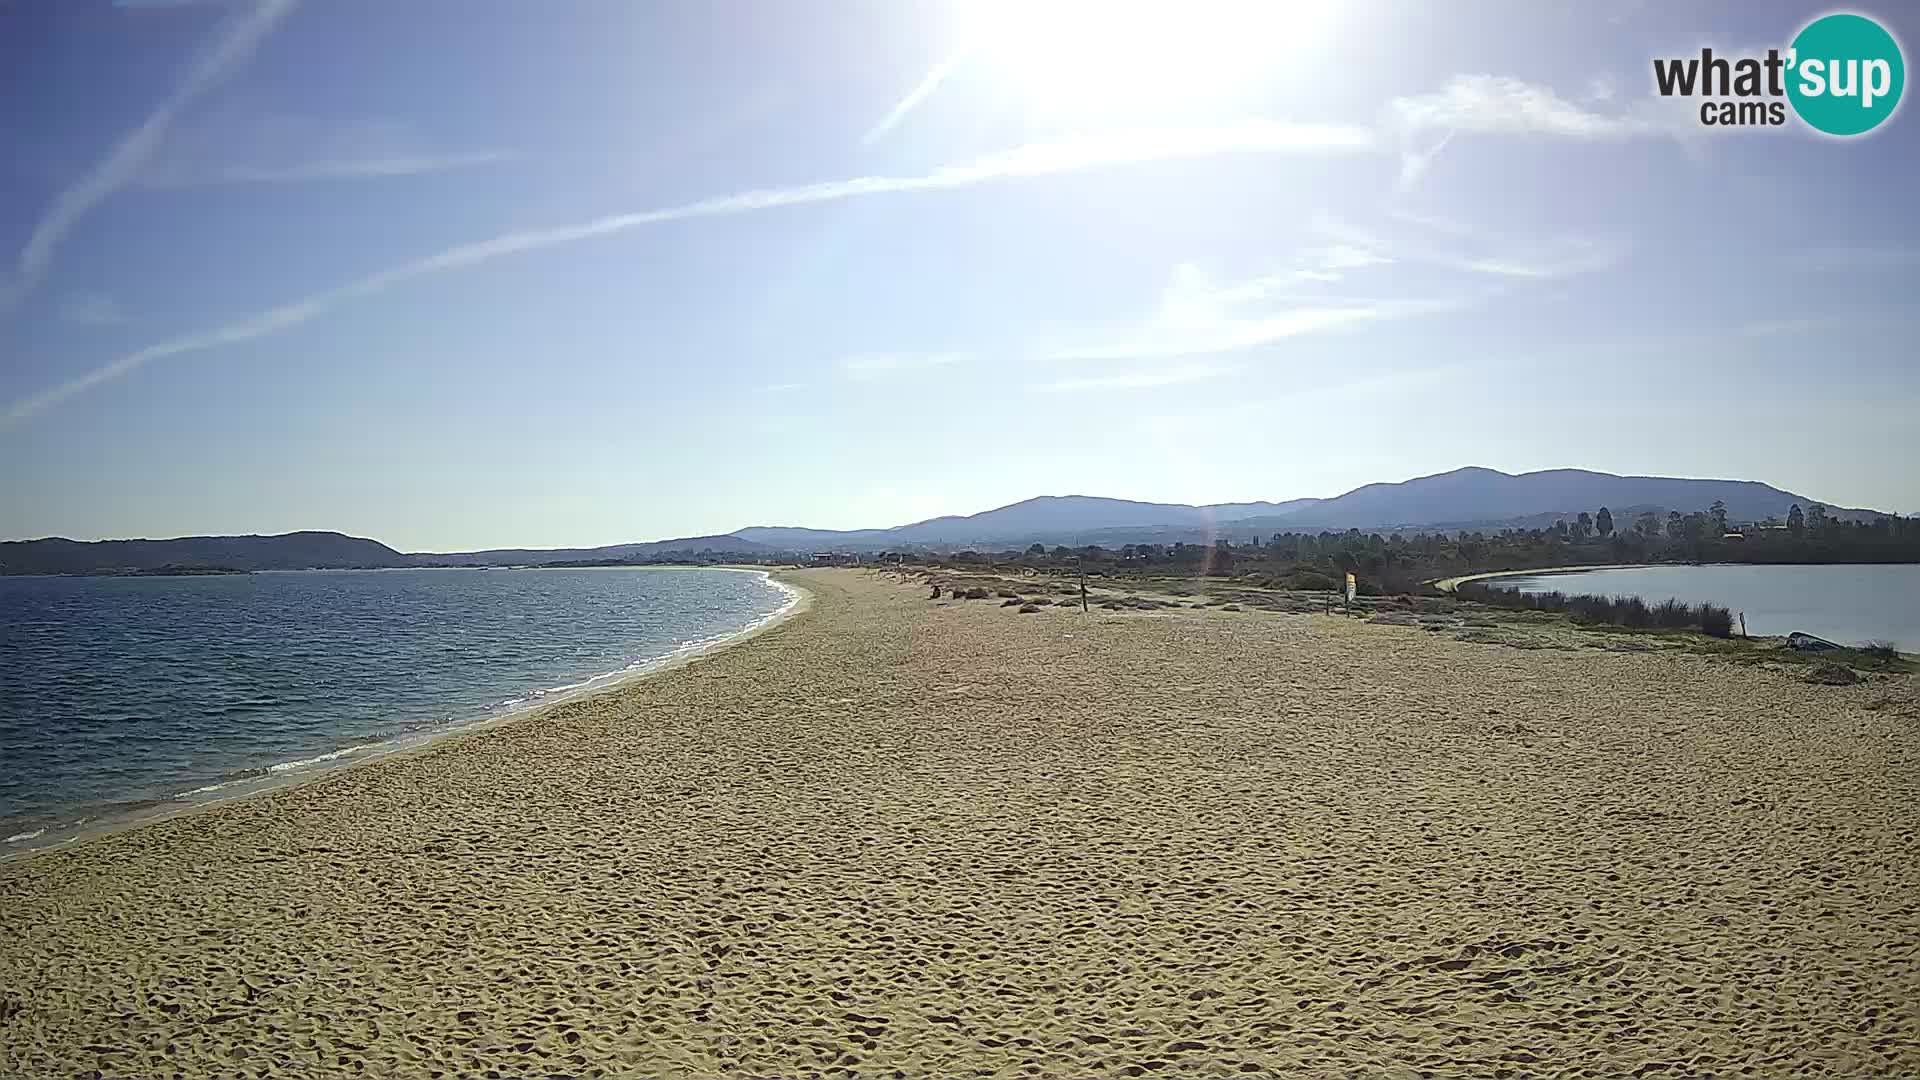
<point x="1414" y="162"/>
<point x="1045" y="159"/>
<point x="1497" y="105"/>
<point x="1228" y="334"/>
<point x="1137" y="380"/>
<point x="1565" y="257"/>
<point x="1199" y="317"/>
<point x="236" y="41"/>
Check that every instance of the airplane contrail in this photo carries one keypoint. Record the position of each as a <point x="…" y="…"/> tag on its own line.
<point x="914" y="97"/>
<point x="230" y="49"/>
<point x="1035" y="160"/>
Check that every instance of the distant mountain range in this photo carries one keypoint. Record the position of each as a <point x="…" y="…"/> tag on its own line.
<point x="315" y="551"/>
<point x="288" y="551"/>
<point x="1045" y="517"/>
<point x="1462" y="499"/>
<point x="728" y="543"/>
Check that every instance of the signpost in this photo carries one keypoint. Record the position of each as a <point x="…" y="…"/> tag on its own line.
<point x="1352" y="589"/>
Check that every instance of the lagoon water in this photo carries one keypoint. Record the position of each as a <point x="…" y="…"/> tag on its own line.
<point x="122" y="696"/>
<point x="1849" y="604"/>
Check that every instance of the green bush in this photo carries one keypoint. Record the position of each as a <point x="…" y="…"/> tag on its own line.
<point x="1882" y="651"/>
<point x="1590" y="610"/>
<point x="1309" y="580"/>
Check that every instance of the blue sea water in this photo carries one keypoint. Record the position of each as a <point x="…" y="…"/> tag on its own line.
<point x="121" y="696"/>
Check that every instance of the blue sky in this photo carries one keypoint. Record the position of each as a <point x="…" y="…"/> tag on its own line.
<point x="458" y="275"/>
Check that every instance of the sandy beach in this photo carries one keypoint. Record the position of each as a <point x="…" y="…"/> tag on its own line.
<point x="896" y="837"/>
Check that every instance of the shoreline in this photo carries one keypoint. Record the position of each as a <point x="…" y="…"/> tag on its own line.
<point x="906" y="836"/>
<point x="797" y="601"/>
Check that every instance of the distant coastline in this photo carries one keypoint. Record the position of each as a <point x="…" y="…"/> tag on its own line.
<point x="152" y="571"/>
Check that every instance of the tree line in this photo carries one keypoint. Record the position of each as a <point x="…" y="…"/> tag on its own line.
<point x="1401" y="562"/>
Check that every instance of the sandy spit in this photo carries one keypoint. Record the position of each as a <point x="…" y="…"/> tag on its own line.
<point x="902" y="838"/>
<point x="1453" y="583"/>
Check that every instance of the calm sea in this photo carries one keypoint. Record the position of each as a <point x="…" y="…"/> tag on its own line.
<point x="125" y="696"/>
<point x="1847" y="604"/>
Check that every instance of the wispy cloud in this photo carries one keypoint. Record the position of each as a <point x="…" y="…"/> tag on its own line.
<point x="333" y="169"/>
<point x="91" y="309"/>
<point x="231" y="48"/>
<point x="934" y="77"/>
<point x="879" y="365"/>
<point x="1348" y="256"/>
<point x="1425" y="124"/>
<point x="1137" y="380"/>
<point x="260" y="325"/>
<point x="1415" y="161"/>
<point x="1432" y="223"/>
<point x="1571" y="256"/>
<point x="1232" y="334"/>
<point x="1461" y="247"/>
<point x="1198" y="316"/>
<point x="1497" y="105"/>
<point x="1035" y="160"/>
<point x="781" y="388"/>
<point x="242" y="145"/>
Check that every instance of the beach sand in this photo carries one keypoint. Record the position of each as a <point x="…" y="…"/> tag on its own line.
<point x="903" y="838"/>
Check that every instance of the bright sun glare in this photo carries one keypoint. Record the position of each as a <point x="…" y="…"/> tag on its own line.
<point x="1127" y="57"/>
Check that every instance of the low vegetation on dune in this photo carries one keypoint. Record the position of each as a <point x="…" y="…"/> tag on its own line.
<point x="1402" y="562"/>
<point x="1628" y="611"/>
<point x="1475" y="612"/>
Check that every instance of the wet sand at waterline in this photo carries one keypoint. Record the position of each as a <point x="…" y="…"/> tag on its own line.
<point x="895" y="837"/>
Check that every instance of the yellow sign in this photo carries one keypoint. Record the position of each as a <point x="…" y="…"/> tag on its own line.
<point x="1352" y="588"/>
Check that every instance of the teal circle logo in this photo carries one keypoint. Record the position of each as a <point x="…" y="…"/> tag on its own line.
<point x="1846" y="74"/>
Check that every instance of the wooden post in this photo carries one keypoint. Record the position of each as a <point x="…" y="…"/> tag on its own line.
<point x="1083" y="586"/>
<point x="1743" y="624"/>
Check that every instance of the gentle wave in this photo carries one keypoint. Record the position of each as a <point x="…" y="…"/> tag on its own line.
<point x="207" y="790"/>
<point x="301" y="763"/>
<point x="305" y="679"/>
